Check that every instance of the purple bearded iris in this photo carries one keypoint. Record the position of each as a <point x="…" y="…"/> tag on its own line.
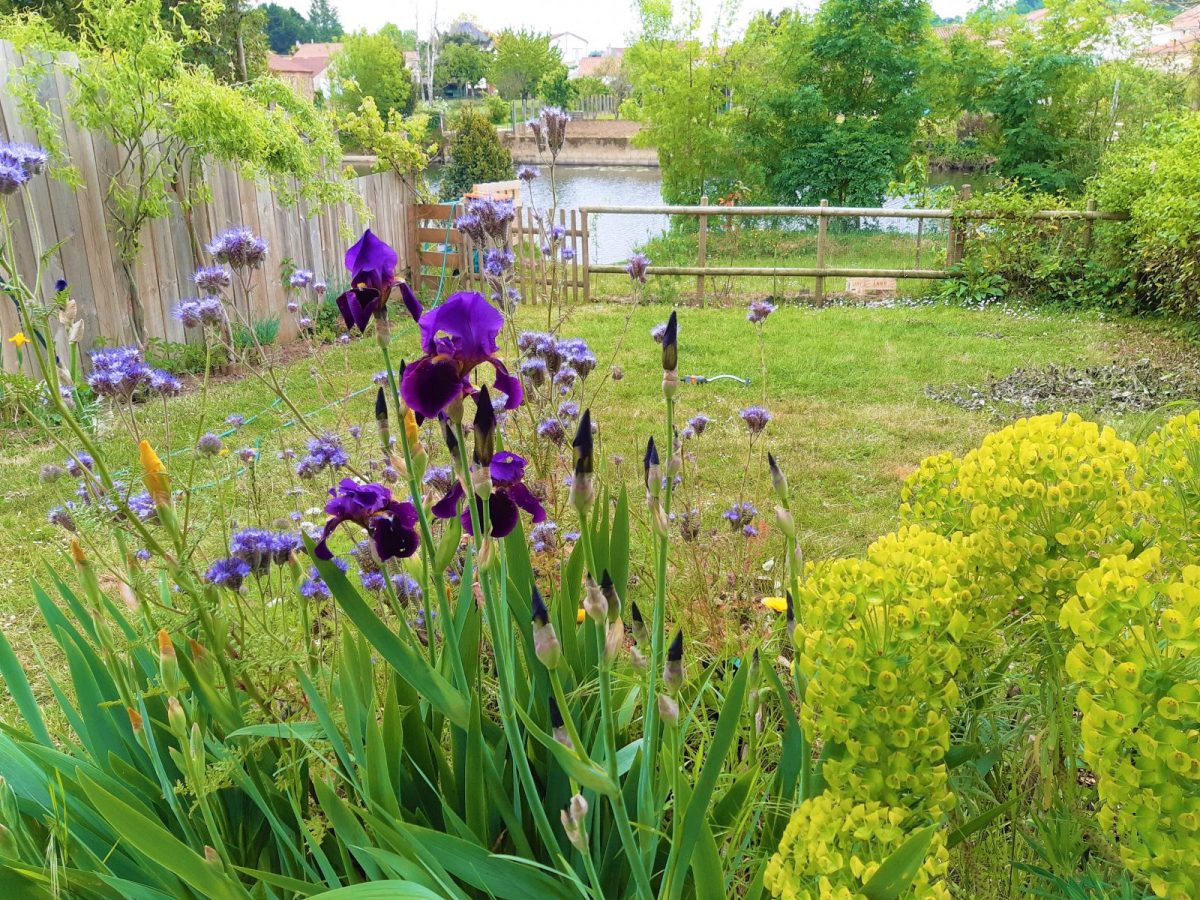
<point x="372" y="266"/>
<point x="388" y="521"/>
<point x="456" y="337"/>
<point x="509" y="495"/>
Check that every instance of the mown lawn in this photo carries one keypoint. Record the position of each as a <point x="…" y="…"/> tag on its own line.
<point x="845" y="386"/>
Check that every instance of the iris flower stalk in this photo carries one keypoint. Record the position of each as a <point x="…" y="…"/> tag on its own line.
<point x="647" y="803"/>
<point x="583" y="447"/>
<point x="496" y="608"/>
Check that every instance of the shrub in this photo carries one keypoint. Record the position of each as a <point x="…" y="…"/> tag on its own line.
<point x="499" y="110"/>
<point x="476" y="155"/>
<point x="1135" y="657"/>
<point x="1156" y="179"/>
<point x="1171" y="463"/>
<point x="1041" y="261"/>
<point x="1041" y="501"/>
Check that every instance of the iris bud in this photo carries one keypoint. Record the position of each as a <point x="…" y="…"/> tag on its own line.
<point x="673" y="670"/>
<point x="594" y="602"/>
<point x="573" y="820"/>
<point x="545" y="640"/>
<point x="668" y="710"/>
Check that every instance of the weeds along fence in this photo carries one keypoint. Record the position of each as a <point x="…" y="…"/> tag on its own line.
<point x="77" y="223"/>
<point x="940" y="237"/>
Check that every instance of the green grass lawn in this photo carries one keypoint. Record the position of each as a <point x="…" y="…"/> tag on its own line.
<point x="845" y="386"/>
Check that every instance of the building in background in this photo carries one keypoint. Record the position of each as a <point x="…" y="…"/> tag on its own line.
<point x="307" y="70"/>
<point x="571" y="46"/>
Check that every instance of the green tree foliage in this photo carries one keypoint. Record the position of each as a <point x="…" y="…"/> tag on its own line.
<point x="1157" y="179"/>
<point x="842" y="99"/>
<point x="324" y="21"/>
<point x="285" y="28"/>
<point x="400" y="145"/>
<point x="371" y="65"/>
<point x="557" y="88"/>
<point x="522" y="59"/>
<point x="405" y="39"/>
<point x="461" y="63"/>
<point x="228" y="37"/>
<point x="681" y="84"/>
<point x="135" y="88"/>
<point x="591" y="86"/>
<point x="476" y="155"/>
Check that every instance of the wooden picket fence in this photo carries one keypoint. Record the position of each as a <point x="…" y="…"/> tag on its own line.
<point x="311" y="237"/>
<point x="448" y="260"/>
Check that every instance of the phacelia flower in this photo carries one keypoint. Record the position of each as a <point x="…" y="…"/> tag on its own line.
<point x="440" y="478"/>
<point x="211" y="279"/>
<point x="698" y="423"/>
<point x="229" y="572"/>
<point x="77" y="463"/>
<point x="408" y="590"/>
<point x="756" y="418"/>
<point x="61" y="517"/>
<point x="373" y="581"/>
<point x="528" y="173"/>
<point x="456" y="337"/>
<point x="759" y="310"/>
<point x="552" y="430"/>
<point x="11" y="178"/>
<point x="237" y="420"/>
<point x="324" y="452"/>
<point x="260" y="547"/>
<point x="51" y="473"/>
<point x="638" y="263"/>
<point x="164" y="383"/>
<point x="239" y="248"/>
<point x="118" y="372"/>
<point x="301" y="278"/>
<point x="740" y="515"/>
<point x="209" y="444"/>
<point x="509" y="495"/>
<point x="389" y="522"/>
<point x="314" y="586"/>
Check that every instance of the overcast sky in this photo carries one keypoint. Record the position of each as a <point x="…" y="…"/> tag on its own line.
<point x="601" y="23"/>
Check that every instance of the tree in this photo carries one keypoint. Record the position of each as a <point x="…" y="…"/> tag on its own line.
<point x="476" y="155"/>
<point x="400" y="145"/>
<point x="838" y="115"/>
<point x="557" y="89"/>
<point x="462" y="64"/>
<point x="229" y="38"/>
<point x="522" y="59"/>
<point x="404" y="39"/>
<point x="371" y="65"/>
<point x="590" y="86"/>
<point x="286" y="28"/>
<point x="324" y="21"/>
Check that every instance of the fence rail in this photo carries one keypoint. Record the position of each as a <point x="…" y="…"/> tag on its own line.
<point x="956" y="237"/>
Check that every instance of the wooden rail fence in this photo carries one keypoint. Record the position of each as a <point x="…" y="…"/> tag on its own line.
<point x="956" y="238"/>
<point x="77" y="220"/>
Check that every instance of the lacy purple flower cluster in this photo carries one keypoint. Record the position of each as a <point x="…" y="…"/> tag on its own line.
<point x="636" y="270"/>
<point x="212" y="279"/>
<point x="200" y="311"/>
<point x="260" y="547"/>
<point x="740" y="515"/>
<point x="120" y="372"/>
<point x="324" y="452"/>
<point x="487" y="218"/>
<point x="239" y="247"/>
<point x="229" y="572"/>
<point x="756" y="418"/>
<point x="550" y="130"/>
<point x="19" y="163"/>
<point x="759" y="310"/>
<point x="301" y="278"/>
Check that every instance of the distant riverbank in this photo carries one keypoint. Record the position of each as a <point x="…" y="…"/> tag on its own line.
<point x="590" y="142"/>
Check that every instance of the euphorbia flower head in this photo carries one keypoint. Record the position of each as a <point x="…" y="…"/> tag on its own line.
<point x="456" y="337"/>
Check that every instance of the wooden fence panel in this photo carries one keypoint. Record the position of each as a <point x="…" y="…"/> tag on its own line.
<point x="79" y="220"/>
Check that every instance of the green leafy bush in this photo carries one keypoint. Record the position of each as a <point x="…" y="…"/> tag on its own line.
<point x="1156" y="179"/>
<point x="476" y="155"/>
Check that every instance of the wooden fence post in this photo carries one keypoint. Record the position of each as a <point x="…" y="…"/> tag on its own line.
<point x="702" y="256"/>
<point x="1087" y="227"/>
<point x="587" y="267"/>
<point x="956" y="241"/>
<point x="822" y="232"/>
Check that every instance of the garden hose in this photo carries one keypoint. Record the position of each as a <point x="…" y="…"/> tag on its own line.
<point x="706" y="379"/>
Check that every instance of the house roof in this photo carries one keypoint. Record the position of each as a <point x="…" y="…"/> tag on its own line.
<point x="309" y="59"/>
<point x="596" y="65"/>
<point x="1187" y="20"/>
<point x="1175" y="47"/>
<point x="945" y="32"/>
<point x="1037" y="15"/>
<point x="563" y="34"/>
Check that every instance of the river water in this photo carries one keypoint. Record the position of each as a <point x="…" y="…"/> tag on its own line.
<point x="614" y="237"/>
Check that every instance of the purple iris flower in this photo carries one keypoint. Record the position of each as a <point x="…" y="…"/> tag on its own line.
<point x="509" y="496"/>
<point x="371" y="506"/>
<point x="456" y="337"/>
<point x="372" y="266"/>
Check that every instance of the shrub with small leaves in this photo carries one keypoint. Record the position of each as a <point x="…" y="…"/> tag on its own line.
<point x="833" y="846"/>
<point x="1041" y="501"/>
<point x="1171" y="463"/>
<point x="1136" y="658"/>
